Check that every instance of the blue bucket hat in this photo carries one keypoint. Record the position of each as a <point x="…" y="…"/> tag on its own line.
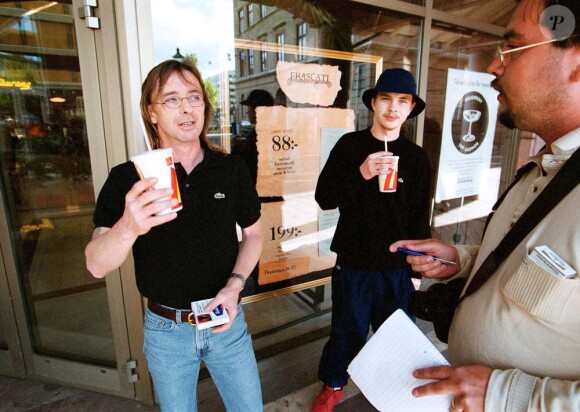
<point x="395" y="81"/>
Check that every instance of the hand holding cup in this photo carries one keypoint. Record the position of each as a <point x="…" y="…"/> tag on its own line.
<point x="373" y="164"/>
<point x="159" y="164"/>
<point x="142" y="206"/>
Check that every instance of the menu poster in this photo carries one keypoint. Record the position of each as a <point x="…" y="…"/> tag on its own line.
<point x="289" y="146"/>
<point x="291" y="240"/>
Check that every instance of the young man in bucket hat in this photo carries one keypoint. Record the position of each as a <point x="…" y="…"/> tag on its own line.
<point x="368" y="282"/>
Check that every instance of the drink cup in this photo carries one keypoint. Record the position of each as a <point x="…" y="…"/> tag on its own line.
<point x="159" y="163"/>
<point x="388" y="177"/>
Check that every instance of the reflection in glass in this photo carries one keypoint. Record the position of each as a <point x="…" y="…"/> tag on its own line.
<point x="47" y="182"/>
<point x="460" y="220"/>
<point x="243" y="56"/>
<point x="485" y="11"/>
<point x="332" y="27"/>
<point x="233" y="73"/>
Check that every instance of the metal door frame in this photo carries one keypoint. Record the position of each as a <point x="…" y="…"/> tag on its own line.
<point x="106" y="111"/>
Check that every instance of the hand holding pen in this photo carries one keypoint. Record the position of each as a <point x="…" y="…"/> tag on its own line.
<point x="431" y="258"/>
<point x="415" y="253"/>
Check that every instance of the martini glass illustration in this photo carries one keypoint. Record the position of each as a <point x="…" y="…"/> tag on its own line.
<point x="470" y="116"/>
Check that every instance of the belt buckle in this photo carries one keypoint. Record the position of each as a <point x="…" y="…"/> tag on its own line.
<point x="190" y="317"/>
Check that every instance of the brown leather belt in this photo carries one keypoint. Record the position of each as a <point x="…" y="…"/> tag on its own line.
<point x="187" y="316"/>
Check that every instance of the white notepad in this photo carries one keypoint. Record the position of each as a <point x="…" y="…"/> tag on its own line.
<point x="383" y="368"/>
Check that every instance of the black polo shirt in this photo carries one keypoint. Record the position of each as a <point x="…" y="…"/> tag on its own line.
<point x="190" y="257"/>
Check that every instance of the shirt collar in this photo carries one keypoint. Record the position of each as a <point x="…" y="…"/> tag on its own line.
<point x="562" y="149"/>
<point x="567" y="144"/>
<point x="563" y="146"/>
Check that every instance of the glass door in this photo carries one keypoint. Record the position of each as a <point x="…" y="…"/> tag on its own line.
<point x="55" y="318"/>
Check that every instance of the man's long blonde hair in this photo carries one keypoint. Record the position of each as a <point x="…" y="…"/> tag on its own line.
<point x="151" y="88"/>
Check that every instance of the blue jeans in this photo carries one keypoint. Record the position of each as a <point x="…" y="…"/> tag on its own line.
<point x="359" y="299"/>
<point x="174" y="351"/>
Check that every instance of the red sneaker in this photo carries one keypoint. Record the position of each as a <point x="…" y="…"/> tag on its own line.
<point x="327" y="399"/>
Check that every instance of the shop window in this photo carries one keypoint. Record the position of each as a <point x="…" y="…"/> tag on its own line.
<point x="47" y="188"/>
<point x="352" y="51"/>
<point x="495" y="12"/>
<point x="469" y="151"/>
<point x="358" y="41"/>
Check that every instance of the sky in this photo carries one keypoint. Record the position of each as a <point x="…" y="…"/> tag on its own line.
<point x="203" y="27"/>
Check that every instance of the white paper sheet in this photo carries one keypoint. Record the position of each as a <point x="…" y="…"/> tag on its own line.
<point x="383" y="368"/>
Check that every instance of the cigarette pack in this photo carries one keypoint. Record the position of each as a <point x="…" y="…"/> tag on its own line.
<point x="205" y="320"/>
<point x="551" y="262"/>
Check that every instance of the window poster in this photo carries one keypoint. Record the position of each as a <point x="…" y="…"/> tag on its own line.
<point x="468" y="130"/>
<point x="291" y="239"/>
<point x="289" y="146"/>
<point x="309" y="83"/>
<point x="293" y="145"/>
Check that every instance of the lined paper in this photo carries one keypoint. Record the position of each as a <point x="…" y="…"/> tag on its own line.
<point x="383" y="368"/>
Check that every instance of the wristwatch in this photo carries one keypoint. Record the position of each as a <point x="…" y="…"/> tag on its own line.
<point x="238" y="276"/>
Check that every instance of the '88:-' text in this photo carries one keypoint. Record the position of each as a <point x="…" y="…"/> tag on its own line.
<point x="282" y="143"/>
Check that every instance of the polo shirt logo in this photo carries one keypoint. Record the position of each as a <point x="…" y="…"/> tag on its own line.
<point x="219" y="195"/>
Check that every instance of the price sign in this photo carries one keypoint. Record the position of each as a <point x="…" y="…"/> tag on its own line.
<point x="291" y="248"/>
<point x="280" y="232"/>
<point x="289" y="146"/>
<point x="282" y="143"/>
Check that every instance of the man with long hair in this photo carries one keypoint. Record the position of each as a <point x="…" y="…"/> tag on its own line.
<point x="185" y="256"/>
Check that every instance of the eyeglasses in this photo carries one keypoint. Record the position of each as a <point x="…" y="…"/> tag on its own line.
<point x="501" y="52"/>
<point x="174" y="102"/>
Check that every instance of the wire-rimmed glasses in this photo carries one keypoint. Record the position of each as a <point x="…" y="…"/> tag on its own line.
<point x="174" y="102"/>
<point x="502" y="53"/>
